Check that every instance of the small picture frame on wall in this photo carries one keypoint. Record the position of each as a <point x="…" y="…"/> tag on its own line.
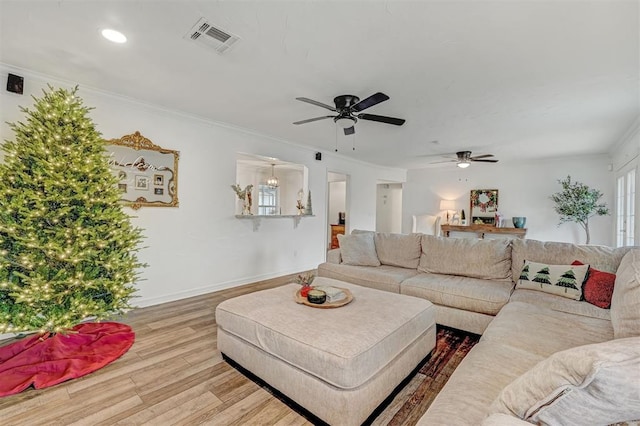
<point x="158" y="191"/>
<point x="142" y="183"/>
<point x="122" y="187"/>
<point x="158" y="180"/>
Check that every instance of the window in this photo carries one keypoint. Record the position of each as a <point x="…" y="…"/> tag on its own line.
<point x="625" y="208"/>
<point x="267" y="200"/>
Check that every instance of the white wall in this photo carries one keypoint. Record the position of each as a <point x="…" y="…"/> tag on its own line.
<point x="389" y="208"/>
<point x="200" y="246"/>
<point x="524" y="190"/>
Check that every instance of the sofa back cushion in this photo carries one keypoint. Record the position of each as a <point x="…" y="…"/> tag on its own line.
<point x="594" y="384"/>
<point x="485" y="259"/>
<point x="551" y="252"/>
<point x="625" y="301"/>
<point x="358" y="249"/>
<point x="398" y="249"/>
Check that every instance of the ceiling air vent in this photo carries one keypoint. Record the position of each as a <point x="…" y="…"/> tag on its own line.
<point x="205" y="33"/>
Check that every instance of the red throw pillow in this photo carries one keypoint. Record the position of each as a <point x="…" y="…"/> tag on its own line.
<point x="598" y="288"/>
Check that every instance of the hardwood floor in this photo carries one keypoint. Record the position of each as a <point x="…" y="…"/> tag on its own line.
<point x="174" y="374"/>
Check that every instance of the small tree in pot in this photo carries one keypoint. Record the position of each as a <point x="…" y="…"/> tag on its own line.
<point x="578" y="203"/>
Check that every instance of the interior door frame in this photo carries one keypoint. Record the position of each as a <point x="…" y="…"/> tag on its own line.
<point x="347" y="205"/>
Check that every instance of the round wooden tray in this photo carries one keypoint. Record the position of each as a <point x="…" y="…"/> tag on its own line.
<point x="325" y="305"/>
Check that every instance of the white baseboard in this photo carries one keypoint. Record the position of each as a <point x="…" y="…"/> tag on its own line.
<point x="143" y="302"/>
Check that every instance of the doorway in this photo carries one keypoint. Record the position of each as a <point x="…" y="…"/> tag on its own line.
<point x="337" y="206"/>
<point x="389" y="208"/>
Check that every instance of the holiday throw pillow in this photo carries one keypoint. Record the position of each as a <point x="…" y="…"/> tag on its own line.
<point x="561" y="280"/>
<point x="598" y="288"/>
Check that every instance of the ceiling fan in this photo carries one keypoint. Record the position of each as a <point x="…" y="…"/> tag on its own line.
<point x="464" y="159"/>
<point x="348" y="108"/>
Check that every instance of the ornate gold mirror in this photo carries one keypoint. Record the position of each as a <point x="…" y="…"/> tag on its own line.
<point x="147" y="173"/>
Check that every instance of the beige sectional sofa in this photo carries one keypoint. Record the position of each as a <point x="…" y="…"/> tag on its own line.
<point x="544" y="358"/>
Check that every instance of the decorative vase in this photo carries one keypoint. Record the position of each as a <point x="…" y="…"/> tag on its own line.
<point x="519" y="221"/>
<point x="308" y="210"/>
<point x="246" y="209"/>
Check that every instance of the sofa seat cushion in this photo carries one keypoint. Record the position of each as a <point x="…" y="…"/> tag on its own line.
<point x="470" y="294"/>
<point x="382" y="277"/>
<point x="401" y="250"/>
<point x="625" y="302"/>
<point x="544" y="331"/>
<point x="344" y="347"/>
<point x="475" y="384"/>
<point x="558" y="303"/>
<point x="600" y="257"/>
<point x="468" y="257"/>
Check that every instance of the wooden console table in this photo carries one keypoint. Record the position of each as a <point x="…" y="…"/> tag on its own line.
<point x="483" y="229"/>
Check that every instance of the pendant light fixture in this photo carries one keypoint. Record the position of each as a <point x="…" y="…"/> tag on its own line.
<point x="273" y="182"/>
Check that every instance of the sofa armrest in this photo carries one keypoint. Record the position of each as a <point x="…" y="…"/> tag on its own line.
<point x="499" y="419"/>
<point x="333" y="256"/>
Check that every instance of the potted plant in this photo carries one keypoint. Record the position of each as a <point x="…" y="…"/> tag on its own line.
<point x="578" y="203"/>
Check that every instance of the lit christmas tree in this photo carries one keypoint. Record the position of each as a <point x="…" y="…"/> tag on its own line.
<point x="67" y="249"/>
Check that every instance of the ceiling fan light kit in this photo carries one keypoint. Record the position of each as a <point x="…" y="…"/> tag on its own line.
<point x="345" y="122"/>
<point x="463" y="164"/>
<point x="348" y="107"/>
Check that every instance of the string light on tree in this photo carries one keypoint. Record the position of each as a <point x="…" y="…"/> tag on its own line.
<point x="67" y="249"/>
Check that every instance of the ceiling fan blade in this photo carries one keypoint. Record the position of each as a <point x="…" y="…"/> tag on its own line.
<point x="316" y="103"/>
<point x="309" y="120"/>
<point x="475" y="157"/>
<point x="443" y="161"/>
<point x="483" y="161"/>
<point x="382" y="119"/>
<point x="372" y="100"/>
<point x="349" y="131"/>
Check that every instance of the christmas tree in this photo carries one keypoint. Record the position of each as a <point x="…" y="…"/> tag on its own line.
<point x="524" y="275"/>
<point x="67" y="249"/>
<point x="568" y="280"/>
<point x="542" y="276"/>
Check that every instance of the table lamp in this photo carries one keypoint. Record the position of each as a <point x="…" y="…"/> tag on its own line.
<point x="448" y="205"/>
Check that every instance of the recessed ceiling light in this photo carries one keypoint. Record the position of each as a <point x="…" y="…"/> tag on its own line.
<point x="114" y="36"/>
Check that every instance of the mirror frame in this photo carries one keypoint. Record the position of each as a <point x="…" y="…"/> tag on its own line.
<point x="127" y="154"/>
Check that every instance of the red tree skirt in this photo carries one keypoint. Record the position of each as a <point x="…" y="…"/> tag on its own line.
<point x="44" y="361"/>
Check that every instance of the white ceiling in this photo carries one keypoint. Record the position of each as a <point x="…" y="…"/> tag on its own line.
<point x="532" y="79"/>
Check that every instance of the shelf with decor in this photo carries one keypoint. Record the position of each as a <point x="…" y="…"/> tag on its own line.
<point x="256" y="218"/>
<point x="481" y="230"/>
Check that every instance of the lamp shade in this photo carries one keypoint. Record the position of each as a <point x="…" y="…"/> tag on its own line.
<point x="447" y="205"/>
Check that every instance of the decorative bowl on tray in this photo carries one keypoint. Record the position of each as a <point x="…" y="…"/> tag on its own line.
<point x="328" y="303"/>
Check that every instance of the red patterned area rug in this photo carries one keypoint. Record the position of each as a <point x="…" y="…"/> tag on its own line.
<point x="413" y="400"/>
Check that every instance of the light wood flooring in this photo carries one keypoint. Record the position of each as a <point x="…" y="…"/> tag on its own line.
<point x="175" y="375"/>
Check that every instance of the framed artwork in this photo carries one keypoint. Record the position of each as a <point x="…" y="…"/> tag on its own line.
<point x="483" y="206"/>
<point x="142" y="183"/>
<point x="140" y="165"/>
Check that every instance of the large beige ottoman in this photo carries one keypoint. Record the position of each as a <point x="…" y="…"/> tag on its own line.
<point x="339" y="364"/>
